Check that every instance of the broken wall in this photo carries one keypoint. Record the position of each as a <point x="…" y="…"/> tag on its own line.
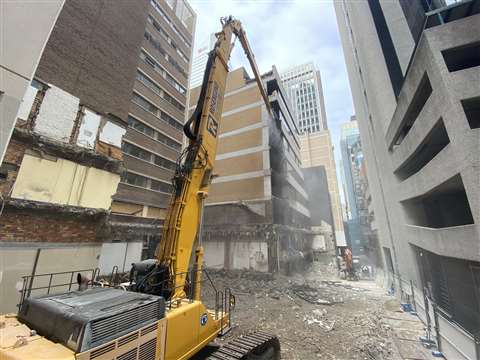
<point x="62" y="181"/>
<point x="57" y="114"/>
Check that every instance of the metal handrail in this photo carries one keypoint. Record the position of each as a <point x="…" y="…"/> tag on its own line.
<point x="28" y="281"/>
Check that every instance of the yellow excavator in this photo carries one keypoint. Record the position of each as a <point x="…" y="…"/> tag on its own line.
<point x="160" y="313"/>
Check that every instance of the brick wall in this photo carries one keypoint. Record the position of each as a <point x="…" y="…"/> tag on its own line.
<point x="12" y="160"/>
<point x="93" y="52"/>
<point x="19" y="225"/>
<point x="15" y="151"/>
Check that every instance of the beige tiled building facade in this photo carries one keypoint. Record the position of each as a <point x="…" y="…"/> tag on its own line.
<point x="317" y="150"/>
<point x="257" y="213"/>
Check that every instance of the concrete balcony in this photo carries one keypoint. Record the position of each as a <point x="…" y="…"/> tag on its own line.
<point x="441" y="168"/>
<point x="425" y="122"/>
<point x="461" y="242"/>
<point x="465" y="82"/>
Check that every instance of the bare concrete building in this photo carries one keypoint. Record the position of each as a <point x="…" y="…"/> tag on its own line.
<point x="156" y="112"/>
<point x="317" y="150"/>
<point x="64" y="160"/>
<point x="414" y="73"/>
<point x="257" y="214"/>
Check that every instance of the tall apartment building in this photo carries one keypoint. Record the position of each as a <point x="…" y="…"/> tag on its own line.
<point x="257" y="214"/>
<point x="64" y="160"/>
<point x="317" y="150"/>
<point x="304" y="88"/>
<point x="199" y="62"/>
<point x="414" y="72"/>
<point x="19" y="42"/>
<point x="156" y="113"/>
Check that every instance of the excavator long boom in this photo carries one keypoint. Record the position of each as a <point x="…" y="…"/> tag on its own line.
<point x="195" y="167"/>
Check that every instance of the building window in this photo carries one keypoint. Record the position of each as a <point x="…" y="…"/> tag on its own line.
<point x="140" y="101"/>
<point x="145" y="155"/>
<point x="169" y="22"/>
<point x="159" y="69"/>
<point x="146" y="183"/>
<point x="154" y="134"/>
<point x="141" y="127"/>
<point x="165" y="35"/>
<point x="156" y="44"/>
<point x="134" y="179"/>
<point x="158" y="160"/>
<point x="160" y="186"/>
<point x="158" y="90"/>
<point x="137" y="152"/>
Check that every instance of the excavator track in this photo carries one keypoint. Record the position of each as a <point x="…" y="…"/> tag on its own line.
<point x="255" y="346"/>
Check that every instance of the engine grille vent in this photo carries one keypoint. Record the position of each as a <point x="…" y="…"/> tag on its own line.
<point x="102" y="350"/>
<point x="149" y="329"/>
<point x="148" y="350"/>
<point x="128" y="339"/>
<point x="131" y="355"/>
<point x="103" y="329"/>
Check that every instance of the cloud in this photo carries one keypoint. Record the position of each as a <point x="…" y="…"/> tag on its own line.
<point x="286" y="33"/>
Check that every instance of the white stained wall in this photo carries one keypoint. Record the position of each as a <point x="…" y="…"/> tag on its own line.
<point x="57" y="114"/>
<point x="120" y="254"/>
<point x="242" y="255"/>
<point x="16" y="262"/>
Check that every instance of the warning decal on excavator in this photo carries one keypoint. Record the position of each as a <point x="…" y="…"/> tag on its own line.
<point x="212" y="126"/>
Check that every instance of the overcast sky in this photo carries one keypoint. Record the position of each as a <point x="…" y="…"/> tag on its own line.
<point x="285" y="33"/>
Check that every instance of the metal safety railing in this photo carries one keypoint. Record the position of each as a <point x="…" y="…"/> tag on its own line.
<point x="43" y="284"/>
<point x="223" y="303"/>
<point x="451" y="339"/>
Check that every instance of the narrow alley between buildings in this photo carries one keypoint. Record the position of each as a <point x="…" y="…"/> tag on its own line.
<point x="316" y="315"/>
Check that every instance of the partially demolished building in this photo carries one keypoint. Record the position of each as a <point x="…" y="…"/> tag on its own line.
<point x="64" y="161"/>
<point x="257" y="213"/>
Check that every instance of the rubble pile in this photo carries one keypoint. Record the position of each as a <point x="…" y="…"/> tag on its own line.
<point x="315" y="315"/>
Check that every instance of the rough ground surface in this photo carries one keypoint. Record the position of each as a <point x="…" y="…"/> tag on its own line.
<point x="315" y="315"/>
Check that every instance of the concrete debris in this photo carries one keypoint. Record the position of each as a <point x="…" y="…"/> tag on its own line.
<point x="314" y="314"/>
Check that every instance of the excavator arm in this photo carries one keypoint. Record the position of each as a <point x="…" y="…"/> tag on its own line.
<point x="194" y="172"/>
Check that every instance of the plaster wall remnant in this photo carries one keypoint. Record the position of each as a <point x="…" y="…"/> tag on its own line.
<point x="57" y="114"/>
<point x="87" y="133"/>
<point x="121" y="254"/>
<point x="64" y="182"/>
<point x="112" y="134"/>
<point x="27" y="102"/>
